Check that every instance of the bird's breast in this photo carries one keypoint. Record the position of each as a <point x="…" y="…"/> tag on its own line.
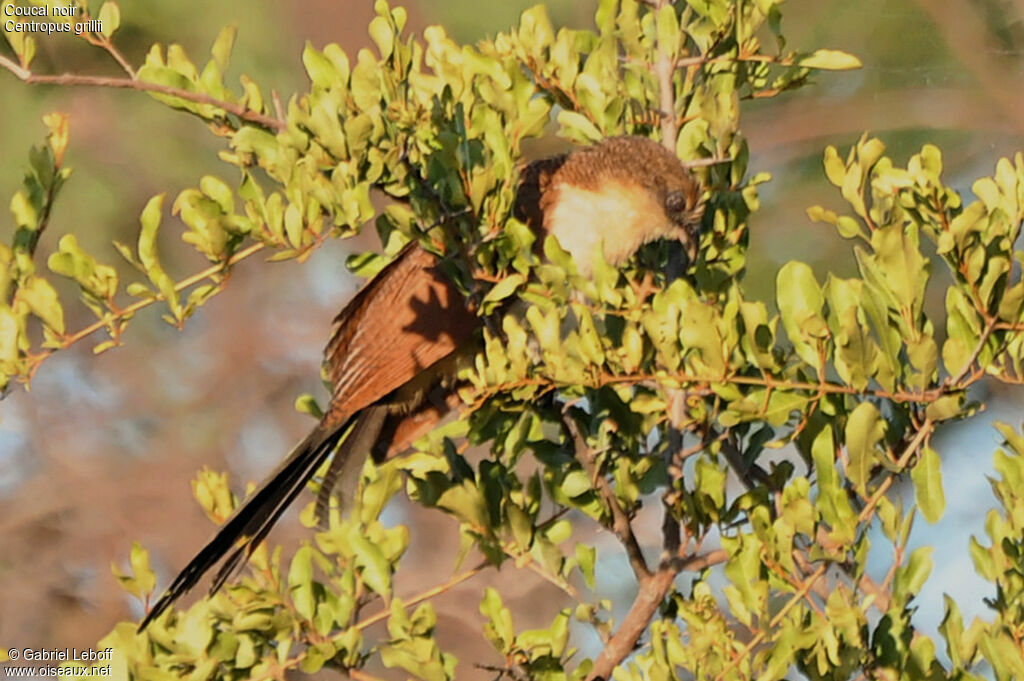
<point x="622" y="215"/>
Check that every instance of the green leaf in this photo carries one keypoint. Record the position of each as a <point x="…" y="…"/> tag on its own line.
<point x="498" y="629"/>
<point x="800" y="300"/>
<point x="110" y="18"/>
<point x="586" y="558"/>
<point x="163" y="75"/>
<point x="575" y="484"/>
<point x="41" y="299"/>
<point x="959" y="649"/>
<point x="832" y="499"/>
<point x="502" y="290"/>
<point x="144" y="576"/>
<point x="835" y="170"/>
<point x="218" y="190"/>
<point x="830" y="60"/>
<point x="911" y="577"/>
<point x="321" y="71"/>
<point x="927" y="477"/>
<point x="300" y="582"/>
<point x="149" y="258"/>
<point x="578" y="127"/>
<point x="221" y="50"/>
<point x="864" y="430"/>
<point x="375" y="567"/>
<point x="382" y="35"/>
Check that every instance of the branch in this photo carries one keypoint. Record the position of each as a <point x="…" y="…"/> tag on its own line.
<point x="665" y="68"/>
<point x="432" y="592"/>
<point x="807" y="585"/>
<point x="982" y="341"/>
<point x="70" y="79"/>
<point x="425" y="595"/>
<point x="926" y="430"/>
<point x="652" y="592"/>
<point x="620" y="521"/>
<point x="108" y="320"/>
<point x="682" y="377"/>
<point x="748" y="473"/>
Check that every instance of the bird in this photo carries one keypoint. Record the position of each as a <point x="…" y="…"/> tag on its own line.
<point x="394" y="348"/>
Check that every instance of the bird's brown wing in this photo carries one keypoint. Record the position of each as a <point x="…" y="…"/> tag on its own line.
<point x="403" y="321"/>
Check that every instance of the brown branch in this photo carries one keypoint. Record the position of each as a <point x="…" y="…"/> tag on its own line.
<point x="605" y="378"/>
<point x="68" y="341"/>
<point x="71" y="79"/>
<point x="104" y="43"/>
<point x="701" y="60"/>
<point x="797" y="597"/>
<point x="425" y="595"/>
<point x="919" y="438"/>
<point x="118" y="57"/>
<point x="620" y="524"/>
<point x="665" y="68"/>
<point x="706" y="162"/>
<point x="982" y="341"/>
<point x="651" y="593"/>
<point x="671" y="539"/>
<point x="748" y="473"/>
<point x="432" y="592"/>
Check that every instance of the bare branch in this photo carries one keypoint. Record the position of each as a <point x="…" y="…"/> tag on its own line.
<point x="620" y="521"/>
<point x="70" y="79"/>
<point x="651" y="593"/>
<point x="665" y="67"/>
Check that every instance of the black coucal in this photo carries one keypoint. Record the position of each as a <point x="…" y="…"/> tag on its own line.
<point x="404" y="332"/>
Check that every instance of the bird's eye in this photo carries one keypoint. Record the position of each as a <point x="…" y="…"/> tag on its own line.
<point x="675" y="202"/>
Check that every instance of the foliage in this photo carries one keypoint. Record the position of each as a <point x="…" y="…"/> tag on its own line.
<point x="631" y="388"/>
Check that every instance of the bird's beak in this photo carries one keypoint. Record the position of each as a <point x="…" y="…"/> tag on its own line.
<point x="689" y="236"/>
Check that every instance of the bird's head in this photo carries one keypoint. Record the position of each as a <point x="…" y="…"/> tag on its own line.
<point x="623" y="192"/>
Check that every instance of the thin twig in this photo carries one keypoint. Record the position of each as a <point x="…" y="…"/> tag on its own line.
<point x="620" y="526"/>
<point x="425" y="595"/>
<point x="360" y="675"/>
<point x="982" y="341"/>
<point x="383" y="615"/>
<point x="108" y="46"/>
<point x="821" y="388"/>
<point x="71" y="79"/>
<point x="919" y="438"/>
<point x="68" y="341"/>
<point x="748" y="473"/>
<point x="706" y="162"/>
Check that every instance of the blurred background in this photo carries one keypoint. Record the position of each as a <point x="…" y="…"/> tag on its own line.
<point x="101" y="451"/>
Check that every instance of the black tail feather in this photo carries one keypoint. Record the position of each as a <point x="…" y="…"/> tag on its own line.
<point x="342" y="476"/>
<point x="243" y="531"/>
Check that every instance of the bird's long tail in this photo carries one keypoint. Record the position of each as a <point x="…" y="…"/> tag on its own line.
<point x="243" y="531"/>
<point x="341" y="479"/>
